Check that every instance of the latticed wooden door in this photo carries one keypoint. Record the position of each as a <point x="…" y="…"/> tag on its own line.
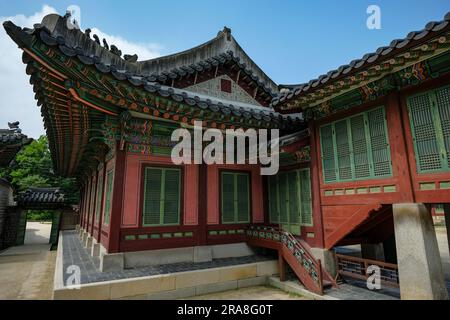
<point x="429" y="115"/>
<point x="290" y="200"/>
<point x="356" y="148"/>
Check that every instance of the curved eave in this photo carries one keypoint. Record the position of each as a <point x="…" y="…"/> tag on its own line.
<point x="78" y="94"/>
<point x="369" y="68"/>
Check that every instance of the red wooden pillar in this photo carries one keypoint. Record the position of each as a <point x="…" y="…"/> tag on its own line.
<point x="117" y="198"/>
<point x="100" y="219"/>
<point x="399" y="153"/>
<point x="80" y="206"/>
<point x="94" y="190"/>
<point x="202" y="204"/>
<point x="315" y="185"/>
<point x="86" y="204"/>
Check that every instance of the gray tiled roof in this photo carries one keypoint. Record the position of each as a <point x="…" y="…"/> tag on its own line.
<point x="41" y="196"/>
<point x="223" y="48"/>
<point x="413" y="38"/>
<point x="117" y="67"/>
<point x="11" y="141"/>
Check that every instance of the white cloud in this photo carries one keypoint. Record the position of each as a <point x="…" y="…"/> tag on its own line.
<point x="16" y="95"/>
<point x="144" y="51"/>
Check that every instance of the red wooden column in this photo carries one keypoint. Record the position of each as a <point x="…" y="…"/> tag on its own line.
<point x="117" y="199"/>
<point x="399" y="154"/>
<point x="315" y="186"/>
<point x="80" y="206"/>
<point x="94" y="187"/>
<point x="86" y="203"/>
<point x="100" y="220"/>
<point x="202" y="204"/>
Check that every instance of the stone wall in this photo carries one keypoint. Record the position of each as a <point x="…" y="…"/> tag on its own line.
<point x="6" y="200"/>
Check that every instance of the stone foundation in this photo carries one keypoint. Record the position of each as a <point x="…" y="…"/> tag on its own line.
<point x="175" y="255"/>
<point x="419" y="261"/>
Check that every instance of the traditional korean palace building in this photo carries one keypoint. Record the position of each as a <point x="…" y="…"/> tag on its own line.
<point x="364" y="151"/>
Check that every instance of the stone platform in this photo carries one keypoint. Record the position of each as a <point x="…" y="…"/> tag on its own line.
<point x="169" y="281"/>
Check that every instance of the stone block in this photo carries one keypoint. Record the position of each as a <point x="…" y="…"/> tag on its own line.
<point x="267" y="268"/>
<point x="111" y="262"/>
<point x="172" y="294"/>
<point x="158" y="257"/>
<point x="197" y="277"/>
<point x="88" y="243"/>
<point x="95" y="250"/>
<point x="237" y="272"/>
<point x="231" y="250"/>
<point x="84" y="236"/>
<point x="138" y="286"/>
<point x="252" y="282"/>
<point x="95" y="291"/>
<point x="327" y="259"/>
<point x="215" y="287"/>
<point x="202" y="254"/>
<point x="419" y="260"/>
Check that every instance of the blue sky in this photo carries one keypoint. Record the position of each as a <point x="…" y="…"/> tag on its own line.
<point x="292" y="41"/>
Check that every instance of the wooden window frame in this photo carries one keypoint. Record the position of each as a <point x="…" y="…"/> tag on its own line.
<point x="440" y="140"/>
<point x="226" y="85"/>
<point x="181" y="198"/>
<point x="371" y="162"/>
<point x="235" y="172"/>
<point x="299" y="196"/>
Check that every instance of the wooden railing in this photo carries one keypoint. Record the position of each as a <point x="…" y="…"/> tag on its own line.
<point x="356" y="268"/>
<point x="293" y="251"/>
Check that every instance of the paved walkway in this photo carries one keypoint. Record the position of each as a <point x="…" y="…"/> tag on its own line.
<point x="75" y="254"/>
<point x="26" y="272"/>
<point x="37" y="233"/>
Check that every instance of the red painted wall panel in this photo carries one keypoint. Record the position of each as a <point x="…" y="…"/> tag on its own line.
<point x="214" y="190"/>
<point x="133" y="183"/>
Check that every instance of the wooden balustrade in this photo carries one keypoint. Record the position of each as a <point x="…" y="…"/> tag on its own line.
<point x="294" y="251"/>
<point x="356" y="268"/>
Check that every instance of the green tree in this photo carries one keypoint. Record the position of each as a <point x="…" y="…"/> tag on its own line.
<point x="33" y="167"/>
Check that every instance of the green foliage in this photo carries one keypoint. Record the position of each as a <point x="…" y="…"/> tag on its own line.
<point x="33" y="215"/>
<point x="33" y="167"/>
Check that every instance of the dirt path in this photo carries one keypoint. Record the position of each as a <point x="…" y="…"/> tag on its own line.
<point x="26" y="272"/>
<point x="252" y="293"/>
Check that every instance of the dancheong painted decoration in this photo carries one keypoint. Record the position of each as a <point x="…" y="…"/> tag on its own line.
<point x="363" y="149"/>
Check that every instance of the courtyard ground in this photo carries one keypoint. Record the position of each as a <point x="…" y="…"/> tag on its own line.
<point x="26" y="272"/>
<point x="252" y="293"/>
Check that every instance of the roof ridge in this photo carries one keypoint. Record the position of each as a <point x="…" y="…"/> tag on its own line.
<point x="220" y="49"/>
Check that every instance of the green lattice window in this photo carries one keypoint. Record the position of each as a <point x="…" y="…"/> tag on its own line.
<point x="108" y="198"/>
<point x="290" y="199"/>
<point x="429" y="115"/>
<point x="98" y="204"/>
<point x="235" y="197"/>
<point x="162" y="192"/>
<point x="356" y="148"/>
